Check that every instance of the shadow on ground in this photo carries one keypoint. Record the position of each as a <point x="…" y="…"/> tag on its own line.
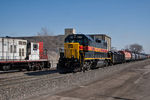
<point x="38" y="73"/>
<point x="116" y="98"/>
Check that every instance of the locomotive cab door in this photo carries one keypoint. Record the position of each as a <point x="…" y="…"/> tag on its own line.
<point x="34" y="53"/>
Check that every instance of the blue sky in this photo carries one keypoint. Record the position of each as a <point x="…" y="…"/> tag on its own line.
<point x="126" y="21"/>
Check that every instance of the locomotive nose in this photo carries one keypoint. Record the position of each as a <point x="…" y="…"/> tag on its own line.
<point x="71" y="50"/>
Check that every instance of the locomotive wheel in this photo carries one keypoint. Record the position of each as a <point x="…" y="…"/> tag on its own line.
<point x="110" y="63"/>
<point x="30" y="68"/>
<point x="84" y="67"/>
<point x="76" y="69"/>
<point x="41" y="67"/>
<point x="20" y="69"/>
<point x="87" y="66"/>
<point x="106" y="63"/>
<point x="49" y="65"/>
<point x="37" y="67"/>
<point x="6" y="68"/>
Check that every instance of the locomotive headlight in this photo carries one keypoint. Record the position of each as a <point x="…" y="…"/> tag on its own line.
<point x="75" y="60"/>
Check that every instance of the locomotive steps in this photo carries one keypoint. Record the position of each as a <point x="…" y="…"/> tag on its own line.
<point x="51" y="85"/>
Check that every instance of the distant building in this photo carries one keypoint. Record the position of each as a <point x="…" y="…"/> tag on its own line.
<point x="69" y="31"/>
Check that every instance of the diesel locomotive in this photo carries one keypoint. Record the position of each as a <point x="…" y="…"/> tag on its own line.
<point x="22" y="54"/>
<point x="82" y="52"/>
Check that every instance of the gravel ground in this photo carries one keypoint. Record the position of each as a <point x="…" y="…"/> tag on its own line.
<point x="132" y="83"/>
<point x="50" y="82"/>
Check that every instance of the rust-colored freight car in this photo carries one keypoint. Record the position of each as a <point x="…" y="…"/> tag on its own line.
<point x="127" y="55"/>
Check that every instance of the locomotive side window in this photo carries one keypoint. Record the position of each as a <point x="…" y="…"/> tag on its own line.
<point x="15" y="48"/>
<point x="24" y="43"/>
<point x="105" y="45"/>
<point x="35" y="46"/>
<point x="98" y="41"/>
<point x="11" y="49"/>
<point x="20" y="42"/>
<point x="22" y="52"/>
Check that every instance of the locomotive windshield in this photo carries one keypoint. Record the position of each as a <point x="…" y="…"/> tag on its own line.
<point x="82" y="39"/>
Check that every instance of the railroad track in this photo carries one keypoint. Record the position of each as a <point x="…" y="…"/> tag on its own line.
<point x="15" y="78"/>
<point x="23" y="70"/>
<point x="10" y="71"/>
<point x="31" y="76"/>
<point x="11" y="82"/>
<point x="20" y="77"/>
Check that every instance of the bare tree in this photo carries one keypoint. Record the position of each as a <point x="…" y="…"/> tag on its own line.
<point x="44" y="32"/>
<point x="134" y="48"/>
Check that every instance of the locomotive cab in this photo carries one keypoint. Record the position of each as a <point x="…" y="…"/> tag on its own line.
<point x="74" y="45"/>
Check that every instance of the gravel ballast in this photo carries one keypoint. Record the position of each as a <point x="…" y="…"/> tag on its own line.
<point x="35" y="87"/>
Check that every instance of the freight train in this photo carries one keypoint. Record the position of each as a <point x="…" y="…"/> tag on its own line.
<point x="125" y="56"/>
<point x="22" y="54"/>
<point x="82" y="52"/>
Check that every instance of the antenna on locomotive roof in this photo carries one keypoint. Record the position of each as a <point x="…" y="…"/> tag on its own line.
<point x="8" y="37"/>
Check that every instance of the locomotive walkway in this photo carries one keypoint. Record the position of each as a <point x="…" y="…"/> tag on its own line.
<point x="132" y="83"/>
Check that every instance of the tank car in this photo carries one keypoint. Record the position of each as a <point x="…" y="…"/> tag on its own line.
<point x="127" y="55"/>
